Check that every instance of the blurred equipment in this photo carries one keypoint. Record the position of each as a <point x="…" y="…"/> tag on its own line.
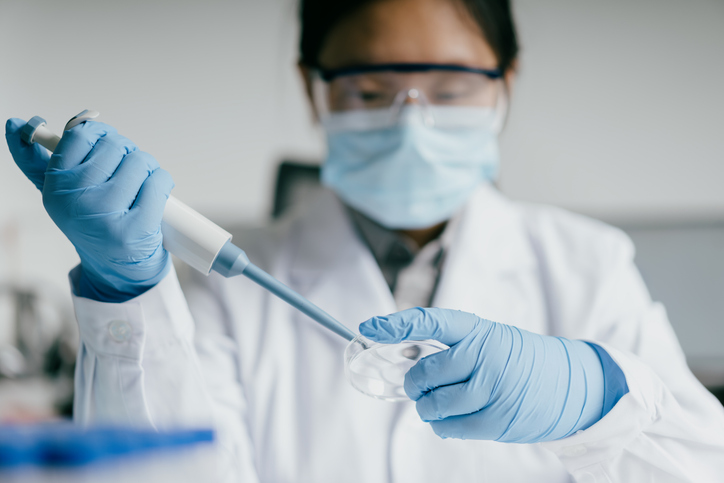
<point x="38" y="344"/>
<point x="296" y="183"/>
<point x="63" y="452"/>
<point x="682" y="262"/>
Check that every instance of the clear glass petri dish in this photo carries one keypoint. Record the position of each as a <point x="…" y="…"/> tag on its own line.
<point x="378" y="370"/>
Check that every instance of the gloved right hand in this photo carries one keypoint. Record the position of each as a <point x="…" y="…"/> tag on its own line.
<point x="108" y="198"/>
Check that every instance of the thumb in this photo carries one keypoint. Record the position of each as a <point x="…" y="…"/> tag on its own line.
<point x="32" y="159"/>
<point x="444" y="325"/>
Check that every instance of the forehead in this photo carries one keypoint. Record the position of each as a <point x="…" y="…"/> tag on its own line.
<point x="408" y="31"/>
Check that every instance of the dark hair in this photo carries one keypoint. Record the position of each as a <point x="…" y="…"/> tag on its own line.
<point x="318" y="18"/>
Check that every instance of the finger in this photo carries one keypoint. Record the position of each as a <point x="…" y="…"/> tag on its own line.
<point x="444" y="325"/>
<point x="152" y="198"/>
<point x="32" y="159"/>
<point x="483" y="424"/>
<point x="123" y="188"/>
<point x="451" y="366"/>
<point x="447" y="401"/>
<point x="97" y="168"/>
<point x="77" y="143"/>
<point x="105" y="158"/>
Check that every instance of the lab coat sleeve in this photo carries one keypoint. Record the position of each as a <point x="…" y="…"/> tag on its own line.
<point x="143" y="363"/>
<point x="668" y="428"/>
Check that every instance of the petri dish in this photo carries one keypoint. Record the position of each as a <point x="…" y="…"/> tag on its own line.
<point x="378" y="370"/>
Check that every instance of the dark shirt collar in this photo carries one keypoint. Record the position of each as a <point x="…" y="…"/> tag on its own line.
<point x="392" y="250"/>
<point x="386" y="245"/>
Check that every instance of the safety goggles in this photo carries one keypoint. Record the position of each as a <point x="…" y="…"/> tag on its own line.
<point x="447" y="95"/>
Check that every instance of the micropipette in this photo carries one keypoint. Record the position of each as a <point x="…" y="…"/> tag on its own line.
<point x="198" y="241"/>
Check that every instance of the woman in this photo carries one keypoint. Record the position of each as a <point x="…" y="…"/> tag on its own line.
<point x="412" y="95"/>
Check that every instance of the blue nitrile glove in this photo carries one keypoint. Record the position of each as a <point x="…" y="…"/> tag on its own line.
<point x="498" y="382"/>
<point x="108" y="198"/>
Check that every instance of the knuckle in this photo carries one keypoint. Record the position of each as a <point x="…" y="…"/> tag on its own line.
<point x="164" y="174"/>
<point x="85" y="136"/>
<point x="411" y="389"/>
<point x="417" y="378"/>
<point x="164" y="178"/>
<point x="117" y="142"/>
<point x="141" y="160"/>
<point x="91" y="126"/>
<point x="91" y="131"/>
<point x="88" y="133"/>
<point x="428" y="408"/>
<point x="428" y="365"/>
<point x="440" y="429"/>
<point x="422" y="411"/>
<point x="95" y="200"/>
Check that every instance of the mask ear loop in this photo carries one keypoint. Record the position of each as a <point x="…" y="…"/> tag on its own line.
<point x="401" y="97"/>
<point x="501" y="108"/>
<point x="501" y="118"/>
<point x="320" y="95"/>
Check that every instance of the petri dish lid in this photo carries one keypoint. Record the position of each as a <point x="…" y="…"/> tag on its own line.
<point x="378" y="370"/>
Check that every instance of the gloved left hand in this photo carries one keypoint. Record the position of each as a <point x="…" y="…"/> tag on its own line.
<point x="497" y="382"/>
<point x="108" y="198"/>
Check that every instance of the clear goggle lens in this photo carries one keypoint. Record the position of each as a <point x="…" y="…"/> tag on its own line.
<point x="446" y="98"/>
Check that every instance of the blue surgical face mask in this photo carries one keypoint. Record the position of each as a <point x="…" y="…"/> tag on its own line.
<point x="410" y="174"/>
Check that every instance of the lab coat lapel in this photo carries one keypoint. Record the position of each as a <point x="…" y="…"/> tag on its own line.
<point x="335" y="269"/>
<point x="490" y="269"/>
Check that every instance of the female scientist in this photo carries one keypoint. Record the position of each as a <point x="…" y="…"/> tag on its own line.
<point x="580" y="376"/>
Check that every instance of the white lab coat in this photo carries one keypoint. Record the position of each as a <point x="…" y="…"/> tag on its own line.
<point x="271" y="381"/>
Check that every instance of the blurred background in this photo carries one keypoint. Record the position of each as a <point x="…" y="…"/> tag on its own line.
<point x="616" y="114"/>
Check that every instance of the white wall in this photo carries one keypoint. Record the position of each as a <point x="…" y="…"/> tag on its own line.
<point x="617" y="111"/>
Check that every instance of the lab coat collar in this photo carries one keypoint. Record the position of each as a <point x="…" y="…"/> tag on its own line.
<point x="489" y="257"/>
<point x="491" y="233"/>
<point x="332" y="261"/>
